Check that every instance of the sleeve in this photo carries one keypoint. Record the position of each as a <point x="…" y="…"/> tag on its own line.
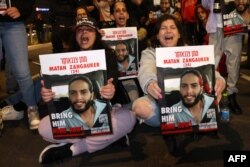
<point x="206" y="4"/>
<point x="147" y="70"/>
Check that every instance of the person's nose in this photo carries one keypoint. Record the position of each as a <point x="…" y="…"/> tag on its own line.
<point x="78" y="96"/>
<point x="168" y="30"/>
<point x="120" y="52"/>
<point x="189" y="89"/>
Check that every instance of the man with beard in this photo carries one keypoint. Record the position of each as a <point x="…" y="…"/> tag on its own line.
<point x="85" y="110"/>
<point x="242" y="13"/>
<point x="194" y="103"/>
<point x="242" y="7"/>
<point x="126" y="62"/>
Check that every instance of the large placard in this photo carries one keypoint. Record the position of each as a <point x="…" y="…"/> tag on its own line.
<point x="186" y="77"/>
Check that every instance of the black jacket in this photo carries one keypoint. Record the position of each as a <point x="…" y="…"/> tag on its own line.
<point x="25" y="8"/>
<point x="62" y="12"/>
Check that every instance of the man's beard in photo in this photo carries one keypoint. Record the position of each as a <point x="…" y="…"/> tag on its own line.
<point x="189" y="105"/>
<point x="87" y="106"/>
<point x="125" y="58"/>
<point x="242" y="11"/>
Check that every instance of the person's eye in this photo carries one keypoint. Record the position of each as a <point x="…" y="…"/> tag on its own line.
<point x="90" y="30"/>
<point x="183" y="86"/>
<point x="173" y="27"/>
<point x="195" y="85"/>
<point x="163" y="28"/>
<point x="84" y="92"/>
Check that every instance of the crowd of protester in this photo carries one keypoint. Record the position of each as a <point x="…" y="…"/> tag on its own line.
<point x="201" y="26"/>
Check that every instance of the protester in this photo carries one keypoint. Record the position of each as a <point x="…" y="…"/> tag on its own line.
<point x="81" y="12"/>
<point x="165" y="8"/>
<point x="87" y="37"/>
<point x="92" y="10"/>
<point x="122" y="19"/>
<point x="169" y="33"/>
<point x="14" y="39"/>
<point x="202" y="16"/>
<point x="38" y="22"/>
<point x="230" y="45"/>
